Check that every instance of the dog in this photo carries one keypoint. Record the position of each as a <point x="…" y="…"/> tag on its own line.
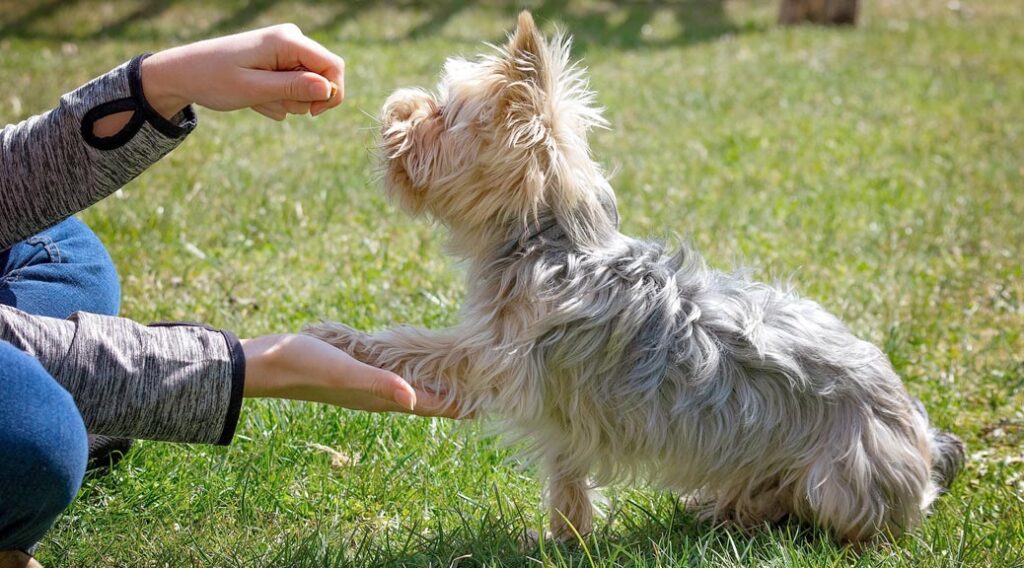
<point x="611" y="359"/>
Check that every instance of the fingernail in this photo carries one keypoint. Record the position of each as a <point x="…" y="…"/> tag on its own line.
<point x="334" y="90"/>
<point x="321" y="91"/>
<point x="406" y="399"/>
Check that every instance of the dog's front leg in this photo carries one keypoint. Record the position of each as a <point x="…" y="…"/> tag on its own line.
<point x="570" y="510"/>
<point x="425" y="358"/>
<point x="348" y="339"/>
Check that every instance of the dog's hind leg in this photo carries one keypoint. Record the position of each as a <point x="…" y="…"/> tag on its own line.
<point x="871" y="482"/>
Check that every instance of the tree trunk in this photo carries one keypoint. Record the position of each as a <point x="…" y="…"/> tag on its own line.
<point x="829" y="12"/>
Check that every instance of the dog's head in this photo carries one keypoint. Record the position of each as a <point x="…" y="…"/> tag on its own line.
<point x="502" y="142"/>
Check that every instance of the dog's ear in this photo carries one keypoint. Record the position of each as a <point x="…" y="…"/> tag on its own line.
<point x="523" y="103"/>
<point x="528" y="53"/>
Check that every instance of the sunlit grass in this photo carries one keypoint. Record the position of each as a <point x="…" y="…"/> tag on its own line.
<point x="879" y="169"/>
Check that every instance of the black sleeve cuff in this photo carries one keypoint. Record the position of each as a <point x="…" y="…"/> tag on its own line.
<point x="143" y="113"/>
<point x="237" y="388"/>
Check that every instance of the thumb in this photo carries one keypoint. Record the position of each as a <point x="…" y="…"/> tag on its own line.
<point x="405" y="396"/>
<point x="389" y="386"/>
<point x="302" y="86"/>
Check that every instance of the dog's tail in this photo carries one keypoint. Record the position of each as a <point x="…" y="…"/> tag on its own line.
<point x="948" y="452"/>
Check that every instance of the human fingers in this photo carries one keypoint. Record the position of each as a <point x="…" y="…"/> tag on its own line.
<point x="270" y="112"/>
<point x="318" y="59"/>
<point x="300" y="86"/>
<point x="433" y="404"/>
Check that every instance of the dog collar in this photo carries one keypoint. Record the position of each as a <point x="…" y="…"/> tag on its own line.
<point x="544" y="229"/>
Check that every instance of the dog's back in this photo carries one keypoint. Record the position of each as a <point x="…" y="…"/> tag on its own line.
<point x="655" y="366"/>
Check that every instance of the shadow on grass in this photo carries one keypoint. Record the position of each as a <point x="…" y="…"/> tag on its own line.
<point x="23" y="25"/>
<point x="620" y="24"/>
<point x="633" y="537"/>
<point x="624" y="25"/>
<point x="147" y="11"/>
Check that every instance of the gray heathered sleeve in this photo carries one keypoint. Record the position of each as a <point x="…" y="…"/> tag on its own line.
<point x="175" y="382"/>
<point x="52" y="166"/>
<point x="182" y="383"/>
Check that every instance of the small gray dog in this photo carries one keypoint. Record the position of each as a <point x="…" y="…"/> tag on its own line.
<point x="611" y="358"/>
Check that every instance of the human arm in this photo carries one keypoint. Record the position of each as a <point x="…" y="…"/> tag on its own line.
<point x="52" y="165"/>
<point x="275" y="71"/>
<point x="105" y="133"/>
<point x="185" y="383"/>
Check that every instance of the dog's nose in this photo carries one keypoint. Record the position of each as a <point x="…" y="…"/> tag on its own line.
<point x="403" y="104"/>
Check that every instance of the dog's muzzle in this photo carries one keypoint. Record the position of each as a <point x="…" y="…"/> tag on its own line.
<point x="403" y="110"/>
<point x="407" y="106"/>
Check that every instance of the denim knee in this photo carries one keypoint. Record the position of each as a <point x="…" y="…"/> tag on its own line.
<point x="43" y="449"/>
<point x="59" y="271"/>
<point x="97" y="274"/>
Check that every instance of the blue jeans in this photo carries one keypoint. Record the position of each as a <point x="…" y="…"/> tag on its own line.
<point x="43" y="443"/>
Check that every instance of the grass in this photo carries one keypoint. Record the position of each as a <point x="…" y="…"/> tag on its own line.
<point x="878" y="167"/>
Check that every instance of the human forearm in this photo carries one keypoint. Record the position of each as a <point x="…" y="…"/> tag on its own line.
<point x="177" y="382"/>
<point x="108" y="131"/>
<point x="54" y="165"/>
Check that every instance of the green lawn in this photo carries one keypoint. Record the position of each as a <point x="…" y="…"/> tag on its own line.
<point x="879" y="168"/>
